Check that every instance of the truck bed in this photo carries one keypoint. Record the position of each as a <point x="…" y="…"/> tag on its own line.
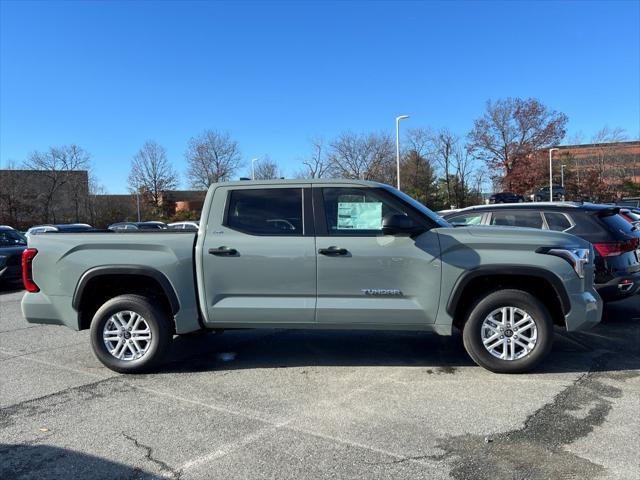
<point x="63" y="258"/>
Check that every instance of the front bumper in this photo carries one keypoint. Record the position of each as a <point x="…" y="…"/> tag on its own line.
<point x="586" y="311"/>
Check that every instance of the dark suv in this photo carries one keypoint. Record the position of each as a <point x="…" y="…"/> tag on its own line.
<point x="542" y="194"/>
<point x="506" y="197"/>
<point x="12" y="244"/>
<point x="615" y="240"/>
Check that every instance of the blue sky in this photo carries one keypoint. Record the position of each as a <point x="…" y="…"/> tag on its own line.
<point x="110" y="75"/>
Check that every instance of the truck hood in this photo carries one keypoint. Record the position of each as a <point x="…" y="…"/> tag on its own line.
<point x="512" y="237"/>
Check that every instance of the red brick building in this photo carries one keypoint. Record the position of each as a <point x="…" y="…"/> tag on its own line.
<point x="618" y="161"/>
<point x="596" y="171"/>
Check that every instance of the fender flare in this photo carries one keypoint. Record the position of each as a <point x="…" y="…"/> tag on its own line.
<point x="506" y="270"/>
<point x="131" y="270"/>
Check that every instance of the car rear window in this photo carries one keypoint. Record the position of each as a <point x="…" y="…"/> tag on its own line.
<point x="617" y="223"/>
<point x="594" y="228"/>
<point x="11" y="238"/>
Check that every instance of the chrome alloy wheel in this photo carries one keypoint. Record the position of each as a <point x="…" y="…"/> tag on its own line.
<point x="509" y="333"/>
<point x="127" y="335"/>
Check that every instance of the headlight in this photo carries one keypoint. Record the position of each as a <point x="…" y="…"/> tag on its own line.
<point x="577" y="257"/>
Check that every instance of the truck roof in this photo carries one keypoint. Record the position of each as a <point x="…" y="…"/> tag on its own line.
<point x="298" y="181"/>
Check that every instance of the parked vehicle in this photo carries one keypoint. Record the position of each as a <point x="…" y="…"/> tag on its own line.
<point x="12" y="244"/>
<point x="542" y="194"/>
<point x="616" y="242"/>
<point x="314" y="254"/>
<point x="133" y="226"/>
<point x="60" y="227"/>
<point x="506" y="197"/>
<point x="630" y="202"/>
<point x="631" y="215"/>
<point x="186" y="225"/>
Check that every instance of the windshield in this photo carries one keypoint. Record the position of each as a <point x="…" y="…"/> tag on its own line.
<point x="11" y="238"/>
<point x="441" y="222"/>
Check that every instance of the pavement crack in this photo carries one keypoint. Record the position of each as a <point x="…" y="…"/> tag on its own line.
<point x="403" y="459"/>
<point x="175" y="473"/>
<point x="536" y="450"/>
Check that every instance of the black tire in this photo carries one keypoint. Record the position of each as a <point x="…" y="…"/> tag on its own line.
<point x="472" y="337"/>
<point x="157" y="320"/>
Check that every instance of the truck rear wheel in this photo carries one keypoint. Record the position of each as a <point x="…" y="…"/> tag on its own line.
<point x="508" y="331"/>
<point x="129" y="334"/>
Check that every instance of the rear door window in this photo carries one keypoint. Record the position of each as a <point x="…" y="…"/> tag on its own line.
<point x="466" y="219"/>
<point x="268" y="211"/>
<point x="557" y="221"/>
<point x="515" y="218"/>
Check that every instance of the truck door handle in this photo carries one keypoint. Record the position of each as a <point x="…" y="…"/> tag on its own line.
<point x="333" y="250"/>
<point x="223" y="251"/>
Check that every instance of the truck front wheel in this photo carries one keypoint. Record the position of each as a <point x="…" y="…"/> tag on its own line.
<point x="129" y="334"/>
<point x="508" y="331"/>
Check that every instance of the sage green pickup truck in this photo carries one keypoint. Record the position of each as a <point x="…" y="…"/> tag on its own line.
<point x="330" y="254"/>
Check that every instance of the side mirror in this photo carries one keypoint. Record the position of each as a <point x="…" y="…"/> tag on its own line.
<point x="395" y="224"/>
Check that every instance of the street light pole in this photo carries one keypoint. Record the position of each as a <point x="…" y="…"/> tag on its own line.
<point x="562" y="174"/>
<point x="401" y="117"/>
<point x="253" y="168"/>
<point x="551" y="174"/>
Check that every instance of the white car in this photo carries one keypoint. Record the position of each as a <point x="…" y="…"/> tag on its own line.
<point x="69" y="227"/>
<point x="187" y="225"/>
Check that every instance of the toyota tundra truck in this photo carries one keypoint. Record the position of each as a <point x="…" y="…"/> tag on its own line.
<point x="340" y="254"/>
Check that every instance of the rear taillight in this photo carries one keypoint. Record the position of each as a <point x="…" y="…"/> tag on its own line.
<point x="611" y="249"/>
<point x="27" y="277"/>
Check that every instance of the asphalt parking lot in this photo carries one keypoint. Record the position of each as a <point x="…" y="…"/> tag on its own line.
<point x="318" y="404"/>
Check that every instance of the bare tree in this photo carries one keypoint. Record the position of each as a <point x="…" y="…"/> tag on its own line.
<point x="266" y="169"/>
<point x="316" y="165"/>
<point x="14" y="204"/>
<point x="420" y="140"/>
<point x="92" y="203"/>
<point x="366" y="157"/>
<point x="52" y="165"/>
<point x="444" y="146"/>
<point x="74" y="159"/>
<point x="512" y="130"/>
<point x="464" y="167"/>
<point x="212" y="157"/>
<point x="152" y="174"/>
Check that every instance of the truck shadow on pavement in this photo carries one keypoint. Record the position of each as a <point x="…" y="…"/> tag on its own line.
<point x="33" y="461"/>
<point x="619" y="334"/>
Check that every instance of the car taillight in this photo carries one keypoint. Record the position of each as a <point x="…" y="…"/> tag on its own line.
<point x="27" y="258"/>
<point x="611" y="249"/>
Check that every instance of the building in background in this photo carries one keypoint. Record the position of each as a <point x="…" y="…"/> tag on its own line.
<point x="30" y="197"/>
<point x="601" y="172"/>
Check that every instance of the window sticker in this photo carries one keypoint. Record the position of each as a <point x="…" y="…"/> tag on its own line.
<point x="359" y="216"/>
